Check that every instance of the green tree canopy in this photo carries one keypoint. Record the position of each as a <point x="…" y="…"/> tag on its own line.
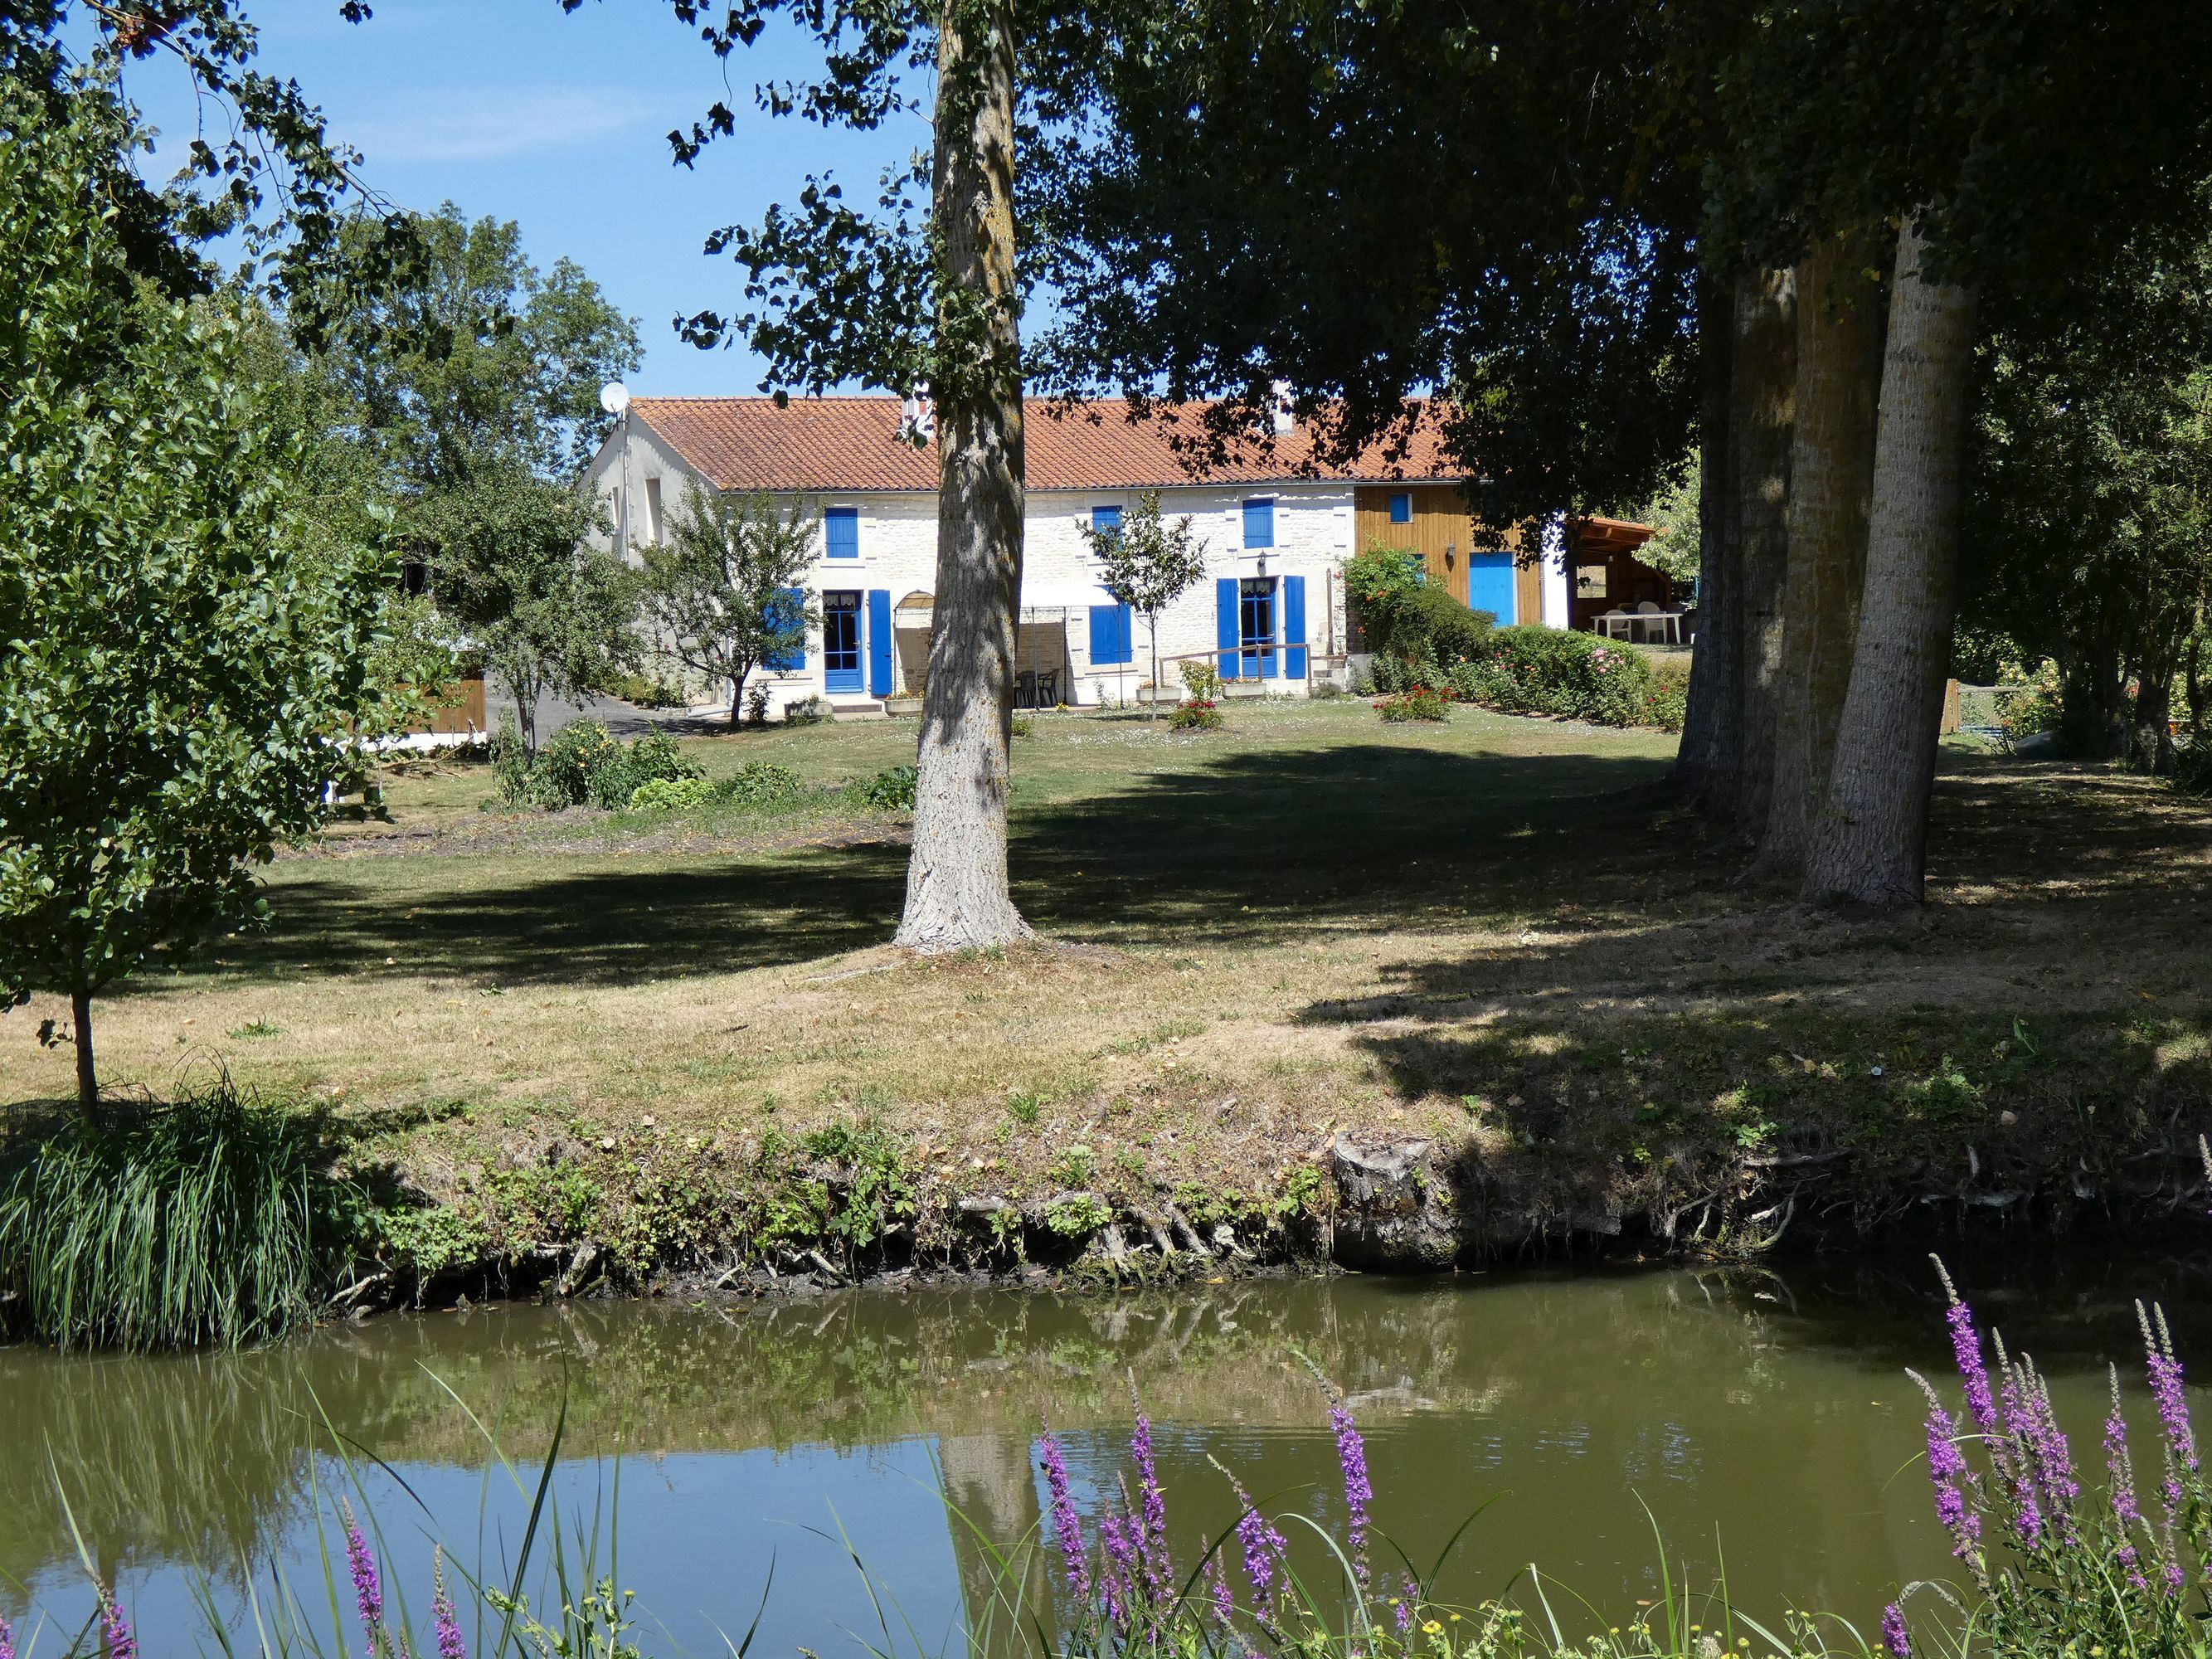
<point x="724" y="594"/>
<point x="182" y="654"/>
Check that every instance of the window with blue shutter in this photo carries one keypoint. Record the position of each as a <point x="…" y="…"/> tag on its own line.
<point x="879" y="643"/>
<point x="1106" y="520"/>
<point x="791" y="612"/>
<point x="842" y="525"/>
<point x="1401" y="507"/>
<point x="1227" y="631"/>
<point x="1259" y="523"/>
<point x="1111" y="635"/>
<point x="1294" y="626"/>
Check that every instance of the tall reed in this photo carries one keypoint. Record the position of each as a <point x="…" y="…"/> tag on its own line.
<point x="214" y="1219"/>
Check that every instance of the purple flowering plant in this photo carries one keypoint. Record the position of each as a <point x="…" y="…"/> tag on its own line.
<point x="2052" y="1571"/>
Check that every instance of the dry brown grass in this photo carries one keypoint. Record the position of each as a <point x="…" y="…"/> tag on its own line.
<point x="1312" y="920"/>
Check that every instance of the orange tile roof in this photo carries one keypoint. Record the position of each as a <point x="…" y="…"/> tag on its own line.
<point x="853" y="443"/>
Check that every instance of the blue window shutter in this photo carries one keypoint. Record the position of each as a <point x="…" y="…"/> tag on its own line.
<point x="1109" y="634"/>
<point x="1259" y="523"/>
<point x="794" y="607"/>
<point x="842" y="525"/>
<point x="1401" y="507"/>
<point x="879" y="643"/>
<point x="1294" y="626"/>
<point x="1226" y="625"/>
<point x="1103" y="519"/>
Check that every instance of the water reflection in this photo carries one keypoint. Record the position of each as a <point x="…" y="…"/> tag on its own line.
<point x="1768" y="1411"/>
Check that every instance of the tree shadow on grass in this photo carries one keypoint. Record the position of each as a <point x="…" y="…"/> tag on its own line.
<point x="1253" y="848"/>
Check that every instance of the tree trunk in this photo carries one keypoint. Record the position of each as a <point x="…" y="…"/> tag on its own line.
<point x="1870" y="844"/>
<point x="1705" y="762"/>
<point x="1762" y="401"/>
<point x="957" y="896"/>
<point x="1831" y="478"/>
<point x="88" y="1081"/>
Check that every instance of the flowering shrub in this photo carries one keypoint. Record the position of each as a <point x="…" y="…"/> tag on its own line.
<point x="1550" y="671"/>
<point x="1197" y="714"/>
<point x="1418" y="703"/>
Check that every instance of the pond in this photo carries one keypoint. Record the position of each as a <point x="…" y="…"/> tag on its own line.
<point x="1758" y="1419"/>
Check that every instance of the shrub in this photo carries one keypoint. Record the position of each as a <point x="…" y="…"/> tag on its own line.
<point x="2192" y="767"/>
<point x="761" y="783"/>
<point x="510" y="762"/>
<point x="215" y="1219"/>
<point x="1668" y="702"/>
<point x="1549" y="671"/>
<point x="1201" y="680"/>
<point x="1407" y="618"/>
<point x="1419" y="703"/>
<point x="1020" y="726"/>
<point x="669" y="795"/>
<point x="583" y="764"/>
<point x="1195" y="715"/>
<point x="892" y="790"/>
<point x="2025" y="711"/>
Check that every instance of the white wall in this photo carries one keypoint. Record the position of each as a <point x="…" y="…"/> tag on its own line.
<point x="898" y="555"/>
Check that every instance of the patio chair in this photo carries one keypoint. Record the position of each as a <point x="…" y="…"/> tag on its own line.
<point x="1606" y="619"/>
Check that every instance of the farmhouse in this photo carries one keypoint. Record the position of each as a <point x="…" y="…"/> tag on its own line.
<point x="1277" y="530"/>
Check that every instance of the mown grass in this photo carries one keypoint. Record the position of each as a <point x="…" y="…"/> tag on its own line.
<point x="1496" y="930"/>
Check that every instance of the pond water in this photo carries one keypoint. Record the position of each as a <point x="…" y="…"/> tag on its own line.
<point x="1763" y="1418"/>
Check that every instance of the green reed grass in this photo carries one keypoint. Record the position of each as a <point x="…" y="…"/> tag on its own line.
<point x="215" y="1219"/>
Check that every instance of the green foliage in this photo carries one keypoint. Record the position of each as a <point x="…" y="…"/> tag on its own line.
<point x="1147" y="563"/>
<point x="215" y="1219"/>
<point x="892" y="789"/>
<point x="1676" y="513"/>
<point x="811" y="710"/>
<point x="1077" y="1217"/>
<point x="669" y="795"/>
<point x="510" y="762"/>
<point x="1551" y="670"/>
<point x="716" y="594"/>
<point x="1415" y="703"/>
<point x="583" y="765"/>
<point x="184" y="649"/>
<point x="1201" y="680"/>
<point x="551" y="622"/>
<point x="761" y="783"/>
<point x="475" y="355"/>
<point x="1407" y="619"/>
<point x="1195" y="715"/>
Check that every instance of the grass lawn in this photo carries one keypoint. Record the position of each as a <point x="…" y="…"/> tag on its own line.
<point x="1497" y="929"/>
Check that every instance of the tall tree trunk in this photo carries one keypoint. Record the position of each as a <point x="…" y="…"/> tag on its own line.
<point x="1870" y="844"/>
<point x="1831" y="478"/>
<point x="88" y="1081"/>
<point x="1705" y="762"/>
<point x="1762" y="401"/>
<point x="956" y="895"/>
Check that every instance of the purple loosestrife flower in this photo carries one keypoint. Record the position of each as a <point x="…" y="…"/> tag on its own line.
<point x="1066" y="1525"/>
<point x="1216" y="1581"/>
<point x="448" y="1627"/>
<point x="1152" y="1537"/>
<point x="1946" y="1471"/>
<point x="1967" y="1350"/>
<point x="368" y="1591"/>
<point x="2165" y="1389"/>
<point x="2126" y="1512"/>
<point x="1894" y="1637"/>
<point x="1358" y="1493"/>
<point x="121" y="1643"/>
<point x="1263" y="1545"/>
<point x="6" y="1641"/>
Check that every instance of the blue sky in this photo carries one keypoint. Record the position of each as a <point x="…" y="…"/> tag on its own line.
<point x="510" y="108"/>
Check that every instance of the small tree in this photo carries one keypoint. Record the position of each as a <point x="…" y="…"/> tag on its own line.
<point x="1148" y="564"/>
<point x="183" y="651"/>
<point x="552" y="618"/>
<point x="717" y="595"/>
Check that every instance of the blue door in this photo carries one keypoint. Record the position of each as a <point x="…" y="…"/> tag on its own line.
<point x="1490" y="585"/>
<point x="840" y="641"/>
<point x="879" y="643"/>
<point x="1256" y="614"/>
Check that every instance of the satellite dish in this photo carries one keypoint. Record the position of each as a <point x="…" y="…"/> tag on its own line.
<point x="614" y="397"/>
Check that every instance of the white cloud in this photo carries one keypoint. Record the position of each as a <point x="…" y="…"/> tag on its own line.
<point x="490" y="123"/>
